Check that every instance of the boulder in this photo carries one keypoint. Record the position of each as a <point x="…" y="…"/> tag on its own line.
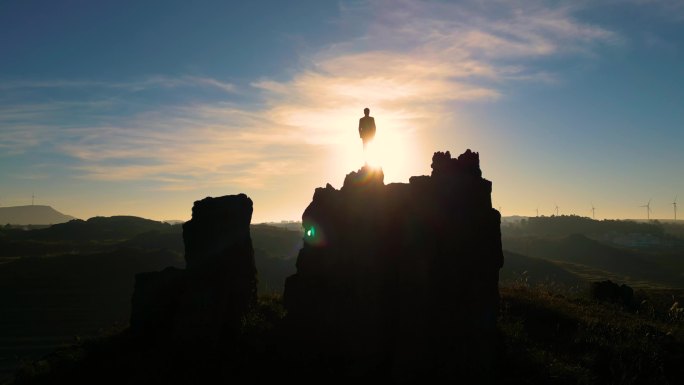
<point x="608" y="291"/>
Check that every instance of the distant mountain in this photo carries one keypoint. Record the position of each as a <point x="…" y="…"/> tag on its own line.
<point x="580" y="254"/>
<point x="114" y="228"/>
<point x="275" y="254"/>
<point x="32" y="215"/>
<point x="512" y="219"/>
<point x="289" y="225"/>
<point x="275" y="248"/>
<point x="565" y="225"/>
<point x="173" y="221"/>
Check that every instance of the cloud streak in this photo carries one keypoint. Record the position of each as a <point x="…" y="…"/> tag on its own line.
<point x="187" y="148"/>
<point x="413" y="62"/>
<point x="164" y="82"/>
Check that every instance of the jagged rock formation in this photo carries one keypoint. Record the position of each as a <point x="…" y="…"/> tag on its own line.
<point x="401" y="276"/>
<point x="206" y="301"/>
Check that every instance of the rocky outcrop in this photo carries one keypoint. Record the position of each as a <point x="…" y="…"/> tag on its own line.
<point x="608" y="291"/>
<point x="206" y="301"/>
<point x="401" y="276"/>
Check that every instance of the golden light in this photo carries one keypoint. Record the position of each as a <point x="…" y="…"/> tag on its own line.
<point x="393" y="149"/>
<point x="334" y="130"/>
<point x="373" y="156"/>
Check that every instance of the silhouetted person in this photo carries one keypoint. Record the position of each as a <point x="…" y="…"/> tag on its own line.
<point x="366" y="128"/>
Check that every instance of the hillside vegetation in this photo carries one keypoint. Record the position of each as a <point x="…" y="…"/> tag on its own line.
<point x="74" y="280"/>
<point x="545" y="337"/>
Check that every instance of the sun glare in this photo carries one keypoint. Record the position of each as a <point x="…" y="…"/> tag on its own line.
<point x="372" y="156"/>
<point x="391" y="150"/>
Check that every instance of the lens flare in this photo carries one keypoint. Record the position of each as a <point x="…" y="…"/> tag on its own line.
<point x="312" y="233"/>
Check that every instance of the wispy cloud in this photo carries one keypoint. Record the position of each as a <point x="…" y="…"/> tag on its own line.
<point x="186" y="148"/>
<point x="15" y="140"/>
<point x="414" y="60"/>
<point x="147" y="83"/>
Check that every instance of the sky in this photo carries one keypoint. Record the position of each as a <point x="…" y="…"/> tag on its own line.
<point x="142" y="107"/>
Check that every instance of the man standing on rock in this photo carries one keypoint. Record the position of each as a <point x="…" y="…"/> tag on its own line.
<point x="366" y="128"/>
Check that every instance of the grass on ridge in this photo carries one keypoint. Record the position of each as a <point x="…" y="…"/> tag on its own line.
<point x="549" y="337"/>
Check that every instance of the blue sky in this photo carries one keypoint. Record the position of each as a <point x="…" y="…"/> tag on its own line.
<point x="142" y="107"/>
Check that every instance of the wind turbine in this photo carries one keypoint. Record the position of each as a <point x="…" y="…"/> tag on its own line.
<point x="648" y="210"/>
<point x="593" y="211"/>
<point x="556" y="209"/>
<point x="33" y="198"/>
<point x="537" y="211"/>
<point x="674" y="204"/>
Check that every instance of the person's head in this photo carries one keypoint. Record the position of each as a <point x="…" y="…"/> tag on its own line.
<point x="366" y="111"/>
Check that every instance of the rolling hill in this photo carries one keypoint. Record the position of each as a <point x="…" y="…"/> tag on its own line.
<point x="594" y="260"/>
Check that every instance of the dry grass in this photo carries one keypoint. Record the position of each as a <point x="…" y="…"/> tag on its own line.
<point x="552" y="337"/>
